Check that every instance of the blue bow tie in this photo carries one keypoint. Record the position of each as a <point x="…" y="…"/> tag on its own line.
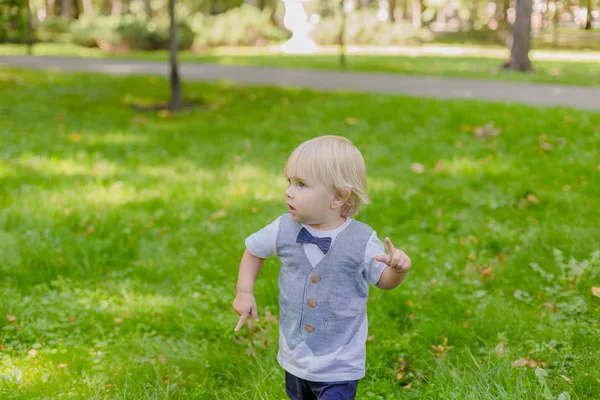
<point x="305" y="237"/>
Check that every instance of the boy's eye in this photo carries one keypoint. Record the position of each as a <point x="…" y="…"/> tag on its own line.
<point x="301" y="184"/>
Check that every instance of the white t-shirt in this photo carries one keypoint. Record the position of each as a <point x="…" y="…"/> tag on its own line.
<point x="348" y="362"/>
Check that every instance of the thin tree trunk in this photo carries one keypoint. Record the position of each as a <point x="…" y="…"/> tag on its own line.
<point x="555" y="23"/>
<point x="147" y="9"/>
<point x="66" y="9"/>
<point x="342" y="35"/>
<point x="392" y="10"/>
<point x="417" y="8"/>
<point x="88" y="8"/>
<point x="212" y="7"/>
<point x="50" y="7"/>
<point x="29" y="30"/>
<point x="588" y="15"/>
<point x="176" y="102"/>
<point x="117" y="7"/>
<point x="519" y="53"/>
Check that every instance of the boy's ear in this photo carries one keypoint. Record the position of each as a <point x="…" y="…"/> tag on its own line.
<point x="340" y="197"/>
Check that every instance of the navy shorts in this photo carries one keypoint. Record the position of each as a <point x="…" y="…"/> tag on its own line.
<point x="300" y="389"/>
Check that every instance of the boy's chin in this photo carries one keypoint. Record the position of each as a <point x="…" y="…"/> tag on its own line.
<point x="297" y="218"/>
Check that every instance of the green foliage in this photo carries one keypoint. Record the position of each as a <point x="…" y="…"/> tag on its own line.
<point x="242" y="26"/>
<point x="363" y="27"/>
<point x="53" y="29"/>
<point x="128" y="32"/>
<point x="121" y="232"/>
<point x="13" y="21"/>
<point x="87" y="30"/>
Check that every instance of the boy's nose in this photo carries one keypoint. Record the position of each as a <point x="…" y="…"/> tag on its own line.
<point x="288" y="192"/>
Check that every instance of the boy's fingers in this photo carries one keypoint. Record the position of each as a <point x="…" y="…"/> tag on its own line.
<point x="241" y="321"/>
<point x="383" y="258"/>
<point x="389" y="246"/>
<point x="255" y="314"/>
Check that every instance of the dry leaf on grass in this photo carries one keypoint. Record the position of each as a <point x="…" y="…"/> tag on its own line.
<point x="500" y="349"/>
<point x="527" y="362"/>
<point x="569" y="381"/>
<point x="596" y="291"/>
<point x="486" y="131"/>
<point x="417" y="168"/>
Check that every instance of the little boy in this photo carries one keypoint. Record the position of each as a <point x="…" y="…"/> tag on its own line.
<point x="328" y="260"/>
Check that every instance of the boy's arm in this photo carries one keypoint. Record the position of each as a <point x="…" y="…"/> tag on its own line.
<point x="244" y="303"/>
<point x="390" y="279"/>
<point x="397" y="266"/>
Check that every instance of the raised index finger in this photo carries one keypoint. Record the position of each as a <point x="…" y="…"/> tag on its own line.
<point x="389" y="246"/>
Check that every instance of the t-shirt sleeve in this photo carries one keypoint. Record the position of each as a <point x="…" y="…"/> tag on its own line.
<point x="263" y="243"/>
<point x="374" y="268"/>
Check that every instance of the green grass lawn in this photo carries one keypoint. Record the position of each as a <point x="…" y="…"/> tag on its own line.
<point x="585" y="73"/>
<point x="121" y="233"/>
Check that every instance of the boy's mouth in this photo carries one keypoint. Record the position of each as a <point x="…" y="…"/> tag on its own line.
<point x="290" y="208"/>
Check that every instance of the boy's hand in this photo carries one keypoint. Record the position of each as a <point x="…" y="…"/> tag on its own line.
<point x="245" y="305"/>
<point x="395" y="259"/>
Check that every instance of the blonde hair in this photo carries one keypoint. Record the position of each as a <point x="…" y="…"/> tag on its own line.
<point x="334" y="161"/>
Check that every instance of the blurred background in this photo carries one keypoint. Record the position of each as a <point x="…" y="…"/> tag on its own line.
<point x="131" y="25"/>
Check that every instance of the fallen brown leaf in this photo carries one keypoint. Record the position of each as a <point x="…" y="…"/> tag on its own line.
<point x="569" y="381"/>
<point x="500" y="349"/>
<point x="440" y="166"/>
<point x="596" y="291"/>
<point x="533" y="199"/>
<point x="219" y="214"/>
<point x="417" y="168"/>
<point x="63" y="365"/>
<point x="527" y="362"/>
<point x="486" y="131"/>
<point x="75" y="137"/>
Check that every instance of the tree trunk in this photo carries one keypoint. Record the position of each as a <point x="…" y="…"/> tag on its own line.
<point x="176" y="102"/>
<point x="87" y="7"/>
<point x="519" y="53"/>
<point x="212" y="7"/>
<point x="392" y="10"/>
<point x="66" y="9"/>
<point x="342" y="35"/>
<point x="50" y="7"/>
<point x="555" y="24"/>
<point x="29" y="30"/>
<point x="588" y="15"/>
<point x="147" y="9"/>
<point x="417" y="8"/>
<point x="117" y="7"/>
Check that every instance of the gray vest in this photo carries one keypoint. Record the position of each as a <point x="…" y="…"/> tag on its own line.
<point x="322" y="306"/>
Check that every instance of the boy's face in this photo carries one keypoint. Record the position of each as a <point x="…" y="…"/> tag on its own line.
<point x="310" y="202"/>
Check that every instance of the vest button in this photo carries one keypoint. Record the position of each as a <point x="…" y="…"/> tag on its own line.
<point x="312" y="303"/>
<point x="315" y="279"/>
<point x="309" y="328"/>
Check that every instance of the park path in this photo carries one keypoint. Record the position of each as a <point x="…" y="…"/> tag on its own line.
<point x="585" y="98"/>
